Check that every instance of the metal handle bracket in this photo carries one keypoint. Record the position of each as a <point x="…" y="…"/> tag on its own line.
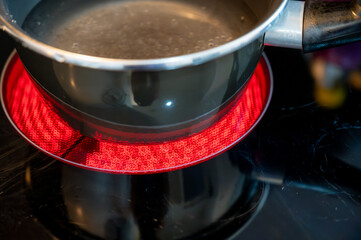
<point x="331" y="23"/>
<point x="287" y="31"/>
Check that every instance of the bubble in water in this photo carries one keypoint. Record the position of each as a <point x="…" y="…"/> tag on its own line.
<point x="174" y="21"/>
<point x="211" y="43"/>
<point x="200" y="42"/>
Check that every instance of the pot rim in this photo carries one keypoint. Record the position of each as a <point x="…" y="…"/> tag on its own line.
<point x="169" y="63"/>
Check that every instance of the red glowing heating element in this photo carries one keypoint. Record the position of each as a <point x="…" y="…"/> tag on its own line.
<point x="36" y="121"/>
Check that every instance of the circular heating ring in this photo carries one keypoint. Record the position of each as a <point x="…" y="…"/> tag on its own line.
<point x="33" y="117"/>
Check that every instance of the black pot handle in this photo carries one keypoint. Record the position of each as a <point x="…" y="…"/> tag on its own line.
<point x="282" y="158"/>
<point x="316" y="24"/>
<point x="330" y="23"/>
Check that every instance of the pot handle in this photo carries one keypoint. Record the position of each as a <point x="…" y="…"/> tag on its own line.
<point x="317" y="24"/>
<point x="271" y="164"/>
<point x="329" y="177"/>
<point x="331" y="23"/>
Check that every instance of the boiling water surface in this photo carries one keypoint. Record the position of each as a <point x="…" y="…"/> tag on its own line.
<point x="138" y="29"/>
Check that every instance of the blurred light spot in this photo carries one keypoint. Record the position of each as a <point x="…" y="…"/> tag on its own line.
<point x="169" y="104"/>
<point x="330" y="97"/>
<point x="355" y="80"/>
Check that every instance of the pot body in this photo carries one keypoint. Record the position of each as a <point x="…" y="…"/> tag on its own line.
<point x="155" y="95"/>
<point x="211" y="200"/>
<point x="148" y="100"/>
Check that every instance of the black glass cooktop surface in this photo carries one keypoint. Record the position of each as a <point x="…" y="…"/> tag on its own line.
<point x="307" y="148"/>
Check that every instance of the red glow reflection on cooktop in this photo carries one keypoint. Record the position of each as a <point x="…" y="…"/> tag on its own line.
<point x="35" y="119"/>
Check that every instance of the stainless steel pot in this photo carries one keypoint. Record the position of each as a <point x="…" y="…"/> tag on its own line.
<point x="161" y="92"/>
